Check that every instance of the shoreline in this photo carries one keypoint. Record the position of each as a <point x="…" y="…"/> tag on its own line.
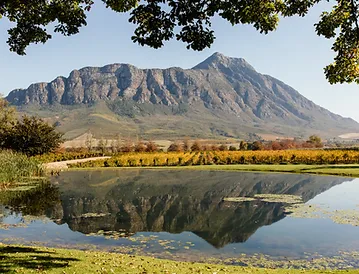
<point x="348" y="170"/>
<point x="27" y="259"/>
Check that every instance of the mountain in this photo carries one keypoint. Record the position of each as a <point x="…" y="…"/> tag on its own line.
<point x="220" y="97"/>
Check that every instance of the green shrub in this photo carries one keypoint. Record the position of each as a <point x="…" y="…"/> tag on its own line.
<point x="31" y="136"/>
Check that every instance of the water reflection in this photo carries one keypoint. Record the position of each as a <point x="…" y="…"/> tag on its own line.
<point x="175" y="201"/>
<point x="180" y="214"/>
<point x="37" y="200"/>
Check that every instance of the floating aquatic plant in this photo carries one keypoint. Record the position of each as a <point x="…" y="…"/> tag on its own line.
<point x="269" y="198"/>
<point x="349" y="216"/>
<point x="279" y="198"/>
<point x="115" y="235"/>
<point x="238" y="199"/>
<point x="94" y="215"/>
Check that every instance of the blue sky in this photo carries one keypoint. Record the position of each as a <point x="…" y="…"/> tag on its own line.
<point x="293" y="53"/>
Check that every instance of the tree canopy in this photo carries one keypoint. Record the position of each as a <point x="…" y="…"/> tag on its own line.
<point x="33" y="136"/>
<point x="7" y="120"/>
<point x="29" y="135"/>
<point x="315" y="140"/>
<point x="190" y="22"/>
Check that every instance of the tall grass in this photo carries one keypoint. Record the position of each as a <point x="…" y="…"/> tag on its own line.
<point x="15" y="167"/>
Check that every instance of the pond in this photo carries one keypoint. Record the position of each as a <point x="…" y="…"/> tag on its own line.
<point x="188" y="215"/>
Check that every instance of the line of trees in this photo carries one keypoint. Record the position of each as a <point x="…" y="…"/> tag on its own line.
<point x="116" y="145"/>
<point x="313" y="141"/>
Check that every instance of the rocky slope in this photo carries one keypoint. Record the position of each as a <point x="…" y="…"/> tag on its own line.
<point x="225" y="96"/>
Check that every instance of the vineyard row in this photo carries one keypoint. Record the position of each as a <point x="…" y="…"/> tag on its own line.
<point x="227" y="157"/>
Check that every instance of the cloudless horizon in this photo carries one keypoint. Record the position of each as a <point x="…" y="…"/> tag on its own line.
<point x="293" y="54"/>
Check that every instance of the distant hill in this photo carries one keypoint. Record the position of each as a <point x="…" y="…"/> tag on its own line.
<point x="219" y="98"/>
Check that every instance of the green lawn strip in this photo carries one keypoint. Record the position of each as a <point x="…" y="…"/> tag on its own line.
<point x="340" y="170"/>
<point x="21" y="259"/>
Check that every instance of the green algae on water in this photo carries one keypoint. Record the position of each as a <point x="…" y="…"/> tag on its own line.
<point x="238" y="199"/>
<point x="94" y="215"/>
<point x="350" y="217"/>
<point x="308" y="211"/>
<point x="269" y="198"/>
<point x="279" y="198"/>
<point x="115" y="235"/>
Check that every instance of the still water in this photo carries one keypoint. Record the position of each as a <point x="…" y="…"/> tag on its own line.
<point x="181" y="214"/>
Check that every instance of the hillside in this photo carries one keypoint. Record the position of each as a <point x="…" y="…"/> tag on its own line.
<point x="220" y="97"/>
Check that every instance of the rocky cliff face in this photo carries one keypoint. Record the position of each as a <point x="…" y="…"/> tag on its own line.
<point x="224" y="86"/>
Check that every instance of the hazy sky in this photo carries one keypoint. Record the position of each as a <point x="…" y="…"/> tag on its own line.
<point x="293" y="53"/>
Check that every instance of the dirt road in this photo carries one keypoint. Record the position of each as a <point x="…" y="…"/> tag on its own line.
<point x="63" y="164"/>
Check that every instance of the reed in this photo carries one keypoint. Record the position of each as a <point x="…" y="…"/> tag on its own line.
<point x="16" y="167"/>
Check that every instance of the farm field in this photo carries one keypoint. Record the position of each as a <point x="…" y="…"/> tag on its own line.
<point x="325" y="162"/>
<point x="295" y="157"/>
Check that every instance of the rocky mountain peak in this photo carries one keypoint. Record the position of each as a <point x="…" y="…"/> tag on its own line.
<point x="219" y="61"/>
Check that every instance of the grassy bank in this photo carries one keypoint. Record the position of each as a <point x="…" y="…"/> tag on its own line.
<point x="15" y="167"/>
<point x="335" y="170"/>
<point x="338" y="170"/>
<point x="20" y="259"/>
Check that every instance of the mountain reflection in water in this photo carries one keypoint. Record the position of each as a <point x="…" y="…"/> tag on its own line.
<point x="171" y="200"/>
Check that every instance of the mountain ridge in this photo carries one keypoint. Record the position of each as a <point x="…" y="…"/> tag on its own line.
<point x="221" y="88"/>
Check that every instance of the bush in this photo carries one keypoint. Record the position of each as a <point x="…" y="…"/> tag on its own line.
<point x="257" y="145"/>
<point x="196" y="146"/>
<point x="32" y="136"/>
<point x="175" y="147"/>
<point x="151" y="147"/>
<point x="223" y="147"/>
<point x="140" y="147"/>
